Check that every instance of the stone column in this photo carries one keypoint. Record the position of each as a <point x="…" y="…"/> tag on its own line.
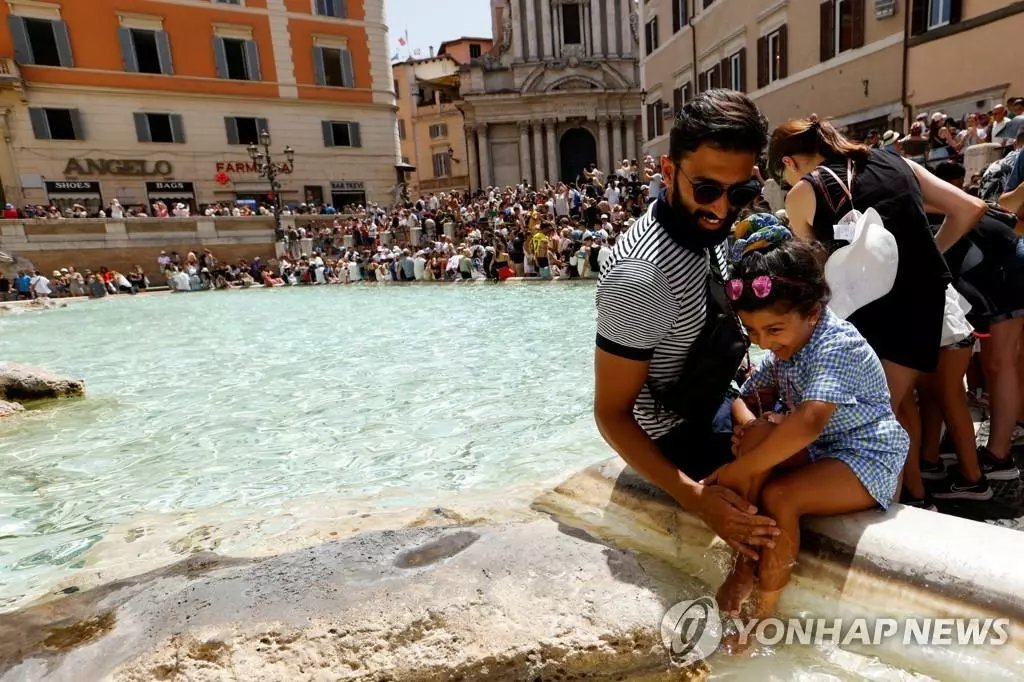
<point x="549" y="126"/>
<point x="529" y="24"/>
<point x="538" y="155"/>
<point x="613" y="26"/>
<point x="485" y="156"/>
<point x="474" y="175"/>
<point x="603" y="162"/>
<point x="524" y="149"/>
<point x="628" y="47"/>
<point x="545" y="20"/>
<point x="631" y="148"/>
<point x="618" y="149"/>
<point x="592" y="18"/>
<point x="517" y="31"/>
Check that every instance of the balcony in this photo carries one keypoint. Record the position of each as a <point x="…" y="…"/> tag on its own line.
<point x="10" y="74"/>
<point x="442" y="184"/>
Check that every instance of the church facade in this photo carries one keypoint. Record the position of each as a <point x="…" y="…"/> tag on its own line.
<point x="560" y="90"/>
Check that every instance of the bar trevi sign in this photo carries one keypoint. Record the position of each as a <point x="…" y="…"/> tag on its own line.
<point x="132" y="167"/>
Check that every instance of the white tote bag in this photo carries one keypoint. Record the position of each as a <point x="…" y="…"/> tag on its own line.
<point x="864" y="270"/>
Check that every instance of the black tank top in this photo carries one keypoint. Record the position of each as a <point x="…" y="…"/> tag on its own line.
<point x="886" y="183"/>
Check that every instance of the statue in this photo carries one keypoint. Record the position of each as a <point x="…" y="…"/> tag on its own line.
<point x="634" y="25"/>
<point x="506" y="33"/>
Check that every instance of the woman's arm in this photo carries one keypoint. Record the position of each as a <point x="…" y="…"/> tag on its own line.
<point x="800" y="207"/>
<point x="1013" y="201"/>
<point x="962" y="211"/>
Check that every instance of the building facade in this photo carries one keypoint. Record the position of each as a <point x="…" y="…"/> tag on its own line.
<point x="960" y="55"/>
<point x="559" y="91"/>
<point x="142" y="100"/>
<point x="430" y="124"/>
<point x="840" y="59"/>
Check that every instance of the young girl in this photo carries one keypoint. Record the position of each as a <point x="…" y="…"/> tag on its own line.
<point x="831" y="444"/>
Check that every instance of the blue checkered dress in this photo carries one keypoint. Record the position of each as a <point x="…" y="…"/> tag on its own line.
<point x="837" y="366"/>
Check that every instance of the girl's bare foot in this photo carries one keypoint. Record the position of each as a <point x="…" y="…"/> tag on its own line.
<point x="737" y="587"/>
<point x="766" y="603"/>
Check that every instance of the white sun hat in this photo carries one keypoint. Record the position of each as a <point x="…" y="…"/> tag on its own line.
<point x="865" y="270"/>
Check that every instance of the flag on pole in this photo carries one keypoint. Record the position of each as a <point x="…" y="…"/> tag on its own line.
<point x="401" y="41"/>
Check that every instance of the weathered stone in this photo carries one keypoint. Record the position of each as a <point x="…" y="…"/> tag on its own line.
<point x="26" y="382"/>
<point x="7" y="409"/>
<point x="495" y="603"/>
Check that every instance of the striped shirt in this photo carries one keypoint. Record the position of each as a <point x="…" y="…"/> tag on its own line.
<point x="651" y="305"/>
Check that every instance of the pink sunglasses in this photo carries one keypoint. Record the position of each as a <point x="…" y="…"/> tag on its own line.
<point x="761" y="286"/>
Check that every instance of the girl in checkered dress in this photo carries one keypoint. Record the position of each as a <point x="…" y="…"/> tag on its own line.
<point x="824" y="440"/>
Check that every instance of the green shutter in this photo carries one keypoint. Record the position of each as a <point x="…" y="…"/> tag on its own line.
<point x="220" y="57"/>
<point x="128" y="58"/>
<point x="328" y="130"/>
<point x="60" y="35"/>
<point x="232" y="128"/>
<point x="252" y="52"/>
<point x="76" y="124"/>
<point x="142" y="127"/>
<point x="22" y="46"/>
<point x="347" y="74"/>
<point x="40" y="126"/>
<point x="354" y="138"/>
<point x="178" y="128"/>
<point x="163" y="46"/>
<point x="318" y="66"/>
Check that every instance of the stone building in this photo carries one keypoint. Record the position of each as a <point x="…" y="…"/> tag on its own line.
<point x="559" y="90"/>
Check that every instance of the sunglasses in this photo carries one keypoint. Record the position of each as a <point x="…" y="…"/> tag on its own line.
<point x="705" y="193"/>
<point x="761" y="286"/>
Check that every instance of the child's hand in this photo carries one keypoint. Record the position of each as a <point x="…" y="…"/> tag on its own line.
<point x="733" y="477"/>
<point x="747" y="437"/>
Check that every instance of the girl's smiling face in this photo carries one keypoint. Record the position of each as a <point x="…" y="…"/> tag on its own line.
<point x="783" y="333"/>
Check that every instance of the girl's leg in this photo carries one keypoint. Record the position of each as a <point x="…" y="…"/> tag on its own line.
<point x="999" y="356"/>
<point x="952" y="368"/>
<point x="827" y="487"/>
<point x="901" y="382"/>
<point x="928" y="392"/>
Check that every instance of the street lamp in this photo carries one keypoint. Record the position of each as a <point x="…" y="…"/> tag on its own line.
<point x="266" y="168"/>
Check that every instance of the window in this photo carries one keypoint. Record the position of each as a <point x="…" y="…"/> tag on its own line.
<point x="711" y="79"/>
<point x="442" y="165"/>
<point x="341" y="134"/>
<point x="680" y="96"/>
<point x="842" y="26"/>
<point x="708" y="3"/>
<point x="474" y="50"/>
<point x="572" y="33"/>
<point x="41" y="42"/>
<point x="927" y="15"/>
<point x="331" y="8"/>
<point x="651" y="36"/>
<point x="656" y="119"/>
<point x="772" y="56"/>
<point x="145" y="51"/>
<point x="229" y="2"/>
<point x="56" y="124"/>
<point x="737" y="71"/>
<point x="438" y="130"/>
<point x="159" y="128"/>
<point x="244" y="130"/>
<point x="939" y="12"/>
<point x="333" y="67"/>
<point x="401" y="129"/>
<point x="679" y="14"/>
<point x="237" y="59"/>
<point x="425" y="99"/>
<point x="394" y="86"/>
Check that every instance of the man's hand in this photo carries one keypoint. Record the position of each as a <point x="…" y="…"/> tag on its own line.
<point x="734" y="520"/>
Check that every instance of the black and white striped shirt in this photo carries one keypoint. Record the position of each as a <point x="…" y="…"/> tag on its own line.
<point x="651" y="305"/>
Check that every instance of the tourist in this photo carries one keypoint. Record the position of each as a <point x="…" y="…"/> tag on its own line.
<point x="39" y="285"/>
<point x="653" y="303"/>
<point x="833" y="446"/>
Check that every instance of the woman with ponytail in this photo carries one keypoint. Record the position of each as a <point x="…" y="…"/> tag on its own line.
<point x="832" y="176"/>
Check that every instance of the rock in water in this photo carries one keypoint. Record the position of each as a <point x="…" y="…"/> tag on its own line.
<point x="7" y="409"/>
<point x="25" y="382"/>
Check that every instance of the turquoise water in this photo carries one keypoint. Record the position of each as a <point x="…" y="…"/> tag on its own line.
<point x="245" y="400"/>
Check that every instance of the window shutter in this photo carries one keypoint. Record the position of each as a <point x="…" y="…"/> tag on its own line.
<point x="702" y="82"/>
<point x="322" y="7"/>
<point x="142" y="133"/>
<point x="128" y="58"/>
<point x="828" y="30"/>
<point x="677" y="100"/>
<point x="687" y="93"/>
<point x="262" y="126"/>
<point x="163" y="46"/>
<point x="318" y="66"/>
<point x="178" y="128"/>
<point x="354" y="138"/>
<point x="859" y="11"/>
<point x="650" y="121"/>
<point x="40" y="126"/>
<point x="763" y="62"/>
<point x="76" y="124"/>
<point x="784" y="51"/>
<point x="743" y="69"/>
<point x="22" y="47"/>
<point x="221" y="58"/>
<point x="60" y="35"/>
<point x="232" y="127"/>
<point x="918" y="17"/>
<point x="252" y="52"/>
<point x="342" y="7"/>
<point x="956" y="11"/>
<point x="677" y="20"/>
<point x="328" y="130"/>
<point x="348" y="76"/>
<point x="725" y="73"/>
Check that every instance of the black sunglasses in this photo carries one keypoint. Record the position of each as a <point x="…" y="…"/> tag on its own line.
<point x="705" y="193"/>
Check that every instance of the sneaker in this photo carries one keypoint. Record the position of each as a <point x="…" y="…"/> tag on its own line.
<point x="933" y="471"/>
<point x="959" y="488"/>
<point x="925" y="503"/>
<point x="997" y="469"/>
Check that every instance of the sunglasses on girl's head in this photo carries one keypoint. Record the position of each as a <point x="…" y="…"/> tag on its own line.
<point x="760" y="286"/>
<point x="707" y="192"/>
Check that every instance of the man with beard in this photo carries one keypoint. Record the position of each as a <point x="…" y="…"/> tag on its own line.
<point x="657" y="307"/>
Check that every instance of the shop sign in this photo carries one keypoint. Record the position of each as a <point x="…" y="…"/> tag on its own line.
<point x="65" y="187"/>
<point x="347" y="186"/>
<point x="247" y="167"/>
<point x="134" y="167"/>
<point x="885" y="9"/>
<point x="153" y="187"/>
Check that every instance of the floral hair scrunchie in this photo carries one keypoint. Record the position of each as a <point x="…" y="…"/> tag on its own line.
<point x="757" y="232"/>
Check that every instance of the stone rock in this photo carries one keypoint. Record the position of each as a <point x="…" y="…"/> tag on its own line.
<point x="26" y="382"/>
<point x="500" y="603"/>
<point x="7" y="409"/>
